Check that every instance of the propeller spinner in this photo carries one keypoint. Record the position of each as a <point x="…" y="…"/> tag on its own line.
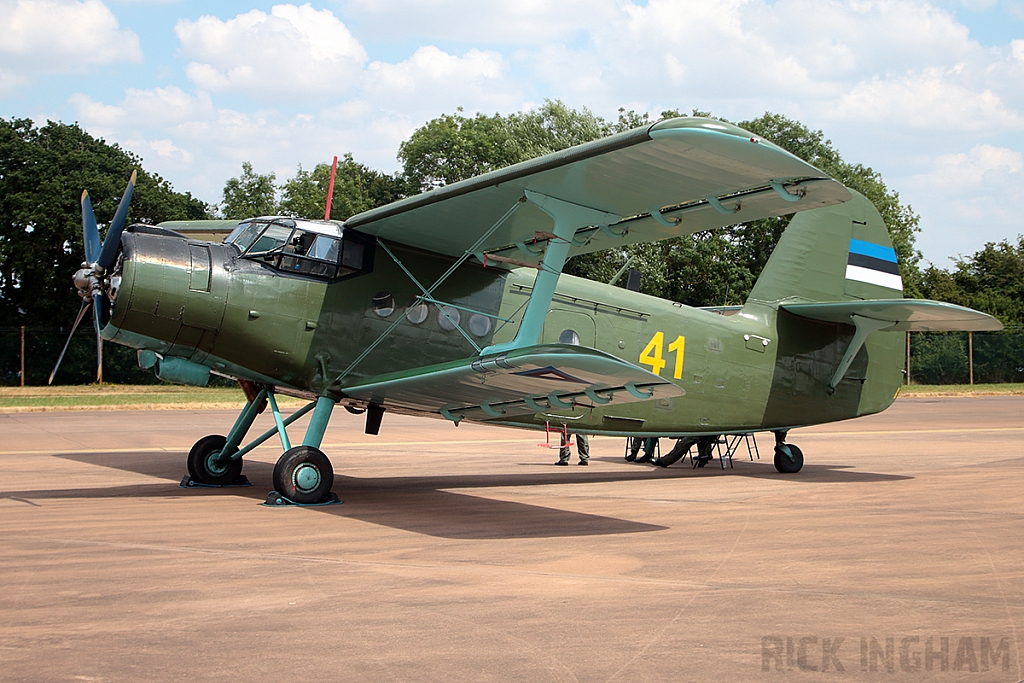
<point x="94" y="279"/>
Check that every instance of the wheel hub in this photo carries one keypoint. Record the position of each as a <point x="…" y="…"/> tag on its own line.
<point x="306" y="477"/>
<point x="214" y="465"/>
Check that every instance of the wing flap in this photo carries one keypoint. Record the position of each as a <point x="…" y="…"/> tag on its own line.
<point x="906" y="315"/>
<point x="678" y="168"/>
<point x="522" y="382"/>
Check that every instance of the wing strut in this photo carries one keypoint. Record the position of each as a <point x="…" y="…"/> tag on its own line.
<point x="568" y="219"/>
<point x="426" y="296"/>
<point x="865" y="326"/>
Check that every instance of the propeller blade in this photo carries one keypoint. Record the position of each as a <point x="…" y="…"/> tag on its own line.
<point x="81" y="314"/>
<point x="97" y="323"/>
<point x="90" y="233"/>
<point x="113" y="239"/>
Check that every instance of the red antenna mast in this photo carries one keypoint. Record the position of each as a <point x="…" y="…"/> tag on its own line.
<point x="330" y="190"/>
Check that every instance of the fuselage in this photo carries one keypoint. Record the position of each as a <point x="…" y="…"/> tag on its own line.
<point x="742" y="370"/>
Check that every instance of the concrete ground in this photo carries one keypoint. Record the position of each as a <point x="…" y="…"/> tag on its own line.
<point x="897" y="554"/>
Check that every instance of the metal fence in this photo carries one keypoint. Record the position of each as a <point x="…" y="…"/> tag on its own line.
<point x="966" y="358"/>
<point x="42" y="347"/>
<point x="934" y="358"/>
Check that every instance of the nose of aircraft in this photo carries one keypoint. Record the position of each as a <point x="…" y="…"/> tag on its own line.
<point x="93" y="280"/>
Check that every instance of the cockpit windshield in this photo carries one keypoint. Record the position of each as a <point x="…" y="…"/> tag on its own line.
<point x="317" y="249"/>
<point x="271" y="239"/>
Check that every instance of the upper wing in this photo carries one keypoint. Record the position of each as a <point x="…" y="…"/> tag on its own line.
<point x="535" y="379"/>
<point x="672" y="178"/>
<point x="210" y="231"/>
<point x="906" y="315"/>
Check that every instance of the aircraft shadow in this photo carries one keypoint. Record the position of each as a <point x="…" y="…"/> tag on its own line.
<point x="431" y="505"/>
<point x="415" y="504"/>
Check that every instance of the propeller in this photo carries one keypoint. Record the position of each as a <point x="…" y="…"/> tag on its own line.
<point x="93" y="279"/>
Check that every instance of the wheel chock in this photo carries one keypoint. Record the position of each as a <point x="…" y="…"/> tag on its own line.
<point x="187" y="482"/>
<point x="276" y="500"/>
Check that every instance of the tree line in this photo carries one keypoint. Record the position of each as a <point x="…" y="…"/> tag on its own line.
<point x="44" y="169"/>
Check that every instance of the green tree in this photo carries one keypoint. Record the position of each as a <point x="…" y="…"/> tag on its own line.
<point x="43" y="171"/>
<point x="357" y="188"/>
<point x="812" y="147"/>
<point x="455" y="147"/>
<point x="990" y="280"/>
<point x="251" y="194"/>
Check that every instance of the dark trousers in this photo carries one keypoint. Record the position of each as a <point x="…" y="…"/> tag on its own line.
<point x="582" y="446"/>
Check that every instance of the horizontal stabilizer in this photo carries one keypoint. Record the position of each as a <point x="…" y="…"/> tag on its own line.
<point x="536" y="379"/>
<point x="906" y="315"/>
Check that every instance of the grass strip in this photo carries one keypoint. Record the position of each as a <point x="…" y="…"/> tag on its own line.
<point x="125" y="396"/>
<point x="930" y="390"/>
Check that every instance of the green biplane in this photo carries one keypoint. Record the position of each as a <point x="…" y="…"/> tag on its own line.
<point x="452" y="304"/>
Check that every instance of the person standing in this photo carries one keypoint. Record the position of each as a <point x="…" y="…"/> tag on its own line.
<point x="582" y="447"/>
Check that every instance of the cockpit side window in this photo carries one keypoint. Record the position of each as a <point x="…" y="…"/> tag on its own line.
<point x="325" y="248"/>
<point x="308" y="253"/>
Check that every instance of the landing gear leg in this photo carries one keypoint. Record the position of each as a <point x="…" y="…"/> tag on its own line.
<point x="304" y="474"/>
<point x="788" y="458"/>
<point x="210" y="461"/>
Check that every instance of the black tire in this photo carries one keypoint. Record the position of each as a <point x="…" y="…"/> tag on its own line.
<point x="203" y="466"/>
<point x="304" y="475"/>
<point x="788" y="458"/>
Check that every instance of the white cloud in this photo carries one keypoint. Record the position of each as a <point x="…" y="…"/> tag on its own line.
<point x="519" y="22"/>
<point x="198" y="145"/>
<point x="1017" y="49"/>
<point x="163" y="148"/>
<point x="433" y="79"/>
<point x="11" y="81"/>
<point x="982" y="198"/>
<point x="59" y="36"/>
<point x="983" y="164"/>
<point x="931" y="100"/>
<point x="294" y="50"/>
<point x="155" y="108"/>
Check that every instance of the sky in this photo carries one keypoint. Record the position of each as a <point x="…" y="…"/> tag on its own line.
<point x="929" y="94"/>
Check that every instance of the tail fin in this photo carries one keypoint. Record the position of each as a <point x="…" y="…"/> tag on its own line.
<point x="835" y="253"/>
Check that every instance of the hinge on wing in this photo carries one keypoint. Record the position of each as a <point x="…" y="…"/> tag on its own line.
<point x="568" y="218"/>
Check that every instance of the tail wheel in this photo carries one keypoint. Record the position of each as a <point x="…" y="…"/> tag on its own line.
<point x="205" y="465"/>
<point x="788" y="458"/>
<point x="304" y="475"/>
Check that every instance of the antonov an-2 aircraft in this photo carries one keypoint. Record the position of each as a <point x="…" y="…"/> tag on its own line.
<point x="452" y="304"/>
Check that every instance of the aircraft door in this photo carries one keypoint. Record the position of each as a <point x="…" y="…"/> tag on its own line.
<point x="561" y="325"/>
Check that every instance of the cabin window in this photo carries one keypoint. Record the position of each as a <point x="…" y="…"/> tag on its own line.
<point x="569" y="337"/>
<point x="448" y="318"/>
<point x="383" y="304"/>
<point x="479" y="325"/>
<point x="417" y="313"/>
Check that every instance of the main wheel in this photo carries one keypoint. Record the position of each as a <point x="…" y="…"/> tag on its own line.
<point x="304" y="475"/>
<point x="788" y="458"/>
<point x="205" y="467"/>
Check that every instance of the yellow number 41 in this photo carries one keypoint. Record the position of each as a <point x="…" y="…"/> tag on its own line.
<point x="652" y="354"/>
